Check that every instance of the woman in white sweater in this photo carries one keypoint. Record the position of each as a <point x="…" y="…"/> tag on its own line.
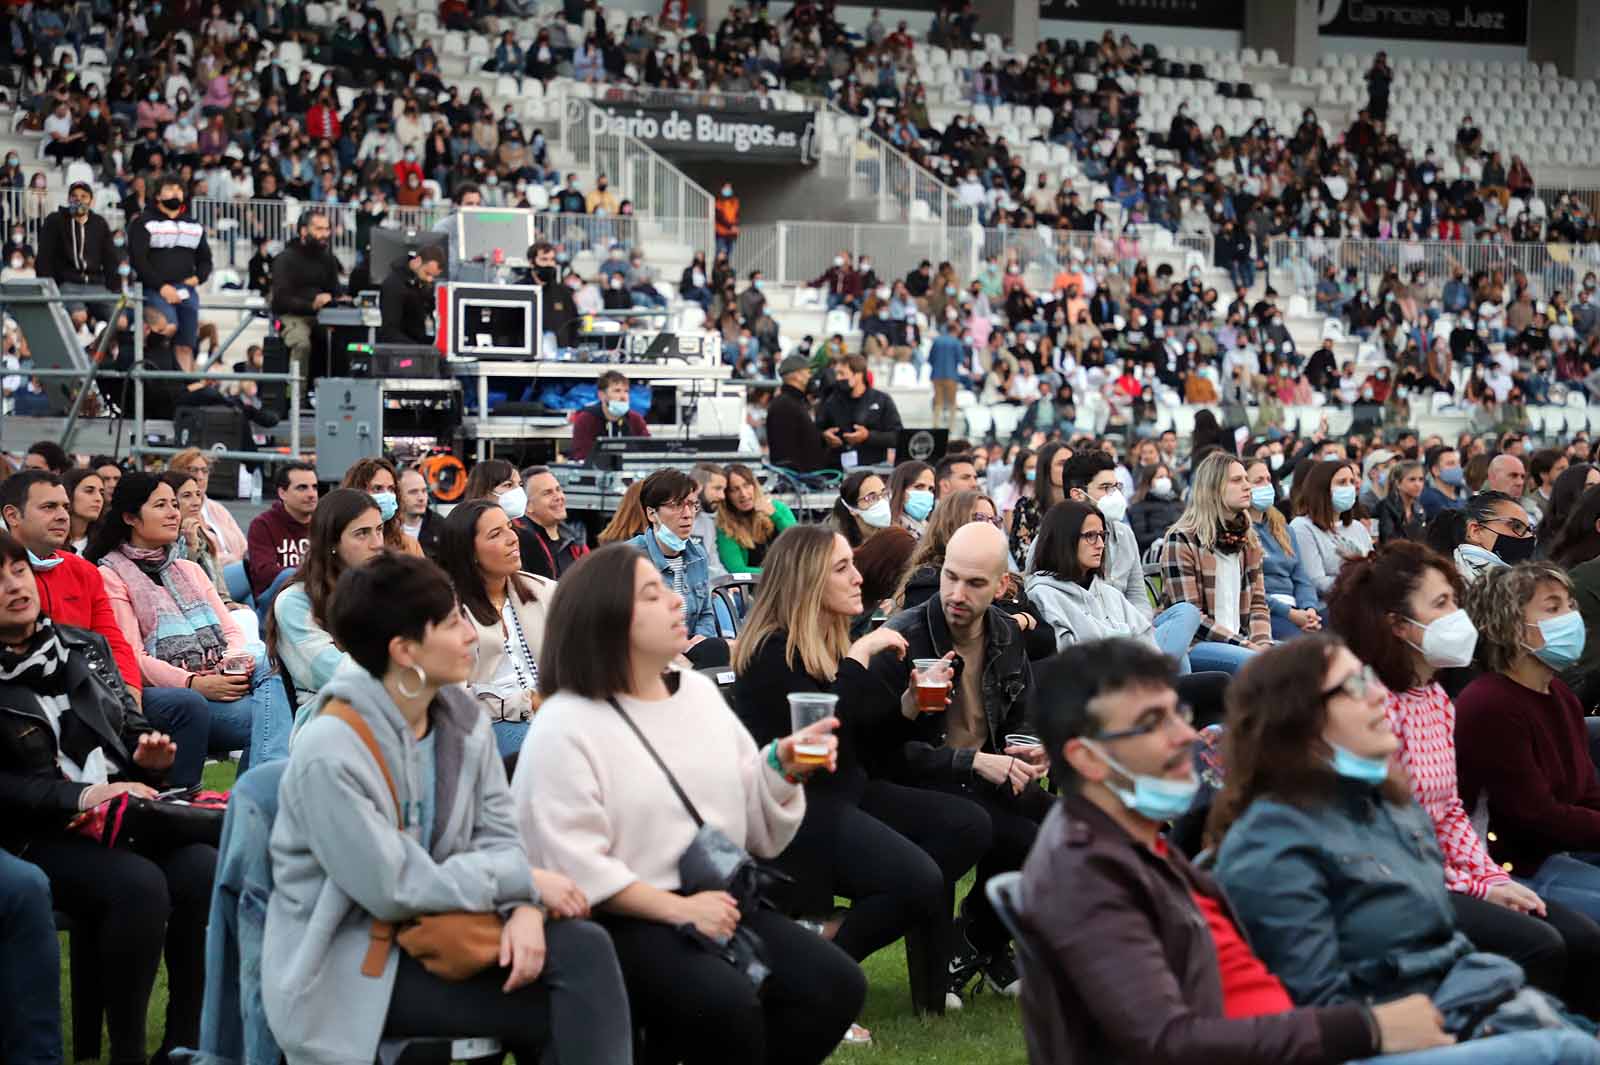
<point x="1330" y="525"/>
<point x="593" y="803"/>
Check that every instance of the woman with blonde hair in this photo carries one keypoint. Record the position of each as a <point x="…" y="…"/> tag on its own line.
<point x="377" y="477"/>
<point x="1291" y="596"/>
<point x="748" y="521"/>
<point x="1212" y="558"/>
<point x="895" y="852"/>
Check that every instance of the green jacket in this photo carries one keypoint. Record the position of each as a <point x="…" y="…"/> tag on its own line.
<point x="736" y="559"/>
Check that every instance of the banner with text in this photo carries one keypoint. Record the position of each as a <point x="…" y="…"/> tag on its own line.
<point x="1195" y="14"/>
<point x="1459" y="21"/>
<point x="712" y="133"/>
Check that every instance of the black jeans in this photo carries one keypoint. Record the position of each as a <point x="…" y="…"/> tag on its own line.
<point x="899" y="857"/>
<point x="135" y="906"/>
<point x="1560" y="953"/>
<point x="697" y="1009"/>
<point x="577" y="1006"/>
<point x="1016" y="821"/>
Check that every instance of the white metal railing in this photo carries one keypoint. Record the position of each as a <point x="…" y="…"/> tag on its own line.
<point x="658" y="189"/>
<point x="708" y="98"/>
<point x="904" y="190"/>
<point x="1296" y="264"/>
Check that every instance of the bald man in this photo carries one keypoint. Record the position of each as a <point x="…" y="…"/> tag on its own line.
<point x="967" y="749"/>
<point x="1506" y="474"/>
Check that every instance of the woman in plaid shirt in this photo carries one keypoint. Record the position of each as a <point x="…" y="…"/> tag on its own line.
<point x="1211" y="558"/>
<point x="1400" y="611"/>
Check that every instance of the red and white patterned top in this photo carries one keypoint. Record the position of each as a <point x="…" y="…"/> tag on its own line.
<point x="1425" y="721"/>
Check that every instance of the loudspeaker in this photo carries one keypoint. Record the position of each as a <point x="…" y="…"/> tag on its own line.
<point x="274" y="359"/>
<point x="207" y="427"/>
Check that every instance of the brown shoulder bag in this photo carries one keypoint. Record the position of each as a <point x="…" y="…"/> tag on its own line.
<point x="452" y="946"/>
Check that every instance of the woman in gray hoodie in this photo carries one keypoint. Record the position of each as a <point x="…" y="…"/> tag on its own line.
<point x="348" y="849"/>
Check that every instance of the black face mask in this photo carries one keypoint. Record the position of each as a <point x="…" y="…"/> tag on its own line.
<point x="545" y="274"/>
<point x="1512" y="550"/>
<point x="171" y="203"/>
<point x="78" y="208"/>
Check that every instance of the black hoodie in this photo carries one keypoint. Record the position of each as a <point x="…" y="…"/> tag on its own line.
<point x="78" y="255"/>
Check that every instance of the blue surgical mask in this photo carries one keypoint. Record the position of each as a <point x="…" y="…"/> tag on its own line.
<point x="1030" y="475"/>
<point x="617" y="408"/>
<point x="919" y="503"/>
<point x="1563" y="635"/>
<point x="1155" y="798"/>
<point x="1354" y="767"/>
<point x="1344" y="498"/>
<point x="388" y="505"/>
<point x="1263" y="497"/>
<point x="1453" y="475"/>
<point x="670" y="540"/>
<point x="44" y="563"/>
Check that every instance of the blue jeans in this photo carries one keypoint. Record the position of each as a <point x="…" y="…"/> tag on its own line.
<point x="1570" y="879"/>
<point x="30" y="966"/>
<point x="185" y="314"/>
<point x="1175" y="629"/>
<point x="265" y="715"/>
<point x="238" y="582"/>
<point x="185" y="715"/>
<point x="1208" y="656"/>
<point x="264" y="600"/>
<point x="725" y="244"/>
<point x="1546" y="1047"/>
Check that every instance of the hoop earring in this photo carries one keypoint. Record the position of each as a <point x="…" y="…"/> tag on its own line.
<point x="422" y="682"/>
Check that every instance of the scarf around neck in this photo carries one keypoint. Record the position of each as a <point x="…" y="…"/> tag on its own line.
<point x="176" y="620"/>
<point x="1232" y="536"/>
<point x="37" y="663"/>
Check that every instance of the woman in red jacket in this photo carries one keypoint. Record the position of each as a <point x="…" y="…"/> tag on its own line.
<point x="322" y="119"/>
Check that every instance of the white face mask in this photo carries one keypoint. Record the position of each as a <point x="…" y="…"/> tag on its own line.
<point x="1114" y="505"/>
<point x="1448" y="642"/>
<point x="1161" y="486"/>
<point x="514" y="501"/>
<point x="876" y="515"/>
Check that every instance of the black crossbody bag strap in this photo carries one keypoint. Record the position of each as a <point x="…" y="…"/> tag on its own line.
<point x="682" y="795"/>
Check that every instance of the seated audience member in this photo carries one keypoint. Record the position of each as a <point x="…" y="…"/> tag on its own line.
<point x="71" y="741"/>
<point x="1110" y="903"/>
<point x="896" y="852"/>
<point x="1211" y="558"/>
<point x="31" y="1029"/>
<point x="883" y="568"/>
<point x="748" y="521"/>
<point x="346" y="531"/>
<point x="170" y="611"/>
<point x="966" y="751"/>
<point x="1019" y="485"/>
<point x="1156" y="505"/>
<point x="417" y="519"/>
<point x="1521" y="740"/>
<point x="499" y="480"/>
<point x="594" y="796"/>
<point x="1091" y="477"/>
<point x="1496" y="533"/>
<point x="953" y="512"/>
<point x="610" y="416"/>
<point x="109" y="469"/>
<point x="628" y="520"/>
<point x="1312" y="802"/>
<point x="1049" y="488"/>
<point x="862" y="509"/>
<point x="479" y="551"/>
<point x="1573" y="484"/>
<point x="1399" y="611"/>
<point x="1291" y="597"/>
<point x="278" y="535"/>
<point x="409" y="815"/>
<point x="1328" y="527"/>
<point x="86" y="498"/>
<point x="47" y="455"/>
<point x="1071" y="595"/>
<point x="713" y="482"/>
<point x="1400" y="514"/>
<point x="670" y="500"/>
<point x="376" y="477"/>
<point x="195" y="545"/>
<point x="956" y="472"/>
<point x="550" y="543"/>
<point x="1447" y="482"/>
<point x="911" y="496"/>
<point x="225" y="532"/>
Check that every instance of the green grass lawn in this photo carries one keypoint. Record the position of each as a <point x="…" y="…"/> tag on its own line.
<point x="987" y="1031"/>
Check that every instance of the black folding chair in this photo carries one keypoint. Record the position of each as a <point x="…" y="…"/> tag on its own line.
<point x="735" y="592"/>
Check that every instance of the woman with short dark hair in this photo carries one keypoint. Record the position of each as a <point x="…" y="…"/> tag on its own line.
<point x="594" y="796"/>
<point x="395" y="807"/>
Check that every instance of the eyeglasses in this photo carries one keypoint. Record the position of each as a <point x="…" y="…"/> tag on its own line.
<point x="1093" y="537"/>
<point x="868" y="499"/>
<point x="1357" y="685"/>
<point x="992" y="519"/>
<point x="690" y="505"/>
<point x="1518" y="528"/>
<point x="1181" y="716"/>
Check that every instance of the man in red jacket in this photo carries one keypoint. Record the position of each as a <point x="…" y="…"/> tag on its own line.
<point x="34" y="506"/>
<point x="609" y="417"/>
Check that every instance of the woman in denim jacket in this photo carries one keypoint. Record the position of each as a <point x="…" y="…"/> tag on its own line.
<point x="1291" y="596"/>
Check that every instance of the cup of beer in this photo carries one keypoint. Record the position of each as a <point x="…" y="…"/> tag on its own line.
<point x="932" y="677"/>
<point x="1022" y="739"/>
<point x="806" y="709"/>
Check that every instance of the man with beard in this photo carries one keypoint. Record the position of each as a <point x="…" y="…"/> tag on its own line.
<point x="305" y="279"/>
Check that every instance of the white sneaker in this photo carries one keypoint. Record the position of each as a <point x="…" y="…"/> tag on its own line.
<point x="952" y="1002"/>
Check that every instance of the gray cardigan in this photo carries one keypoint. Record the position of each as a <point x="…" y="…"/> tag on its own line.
<point x="339" y="859"/>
